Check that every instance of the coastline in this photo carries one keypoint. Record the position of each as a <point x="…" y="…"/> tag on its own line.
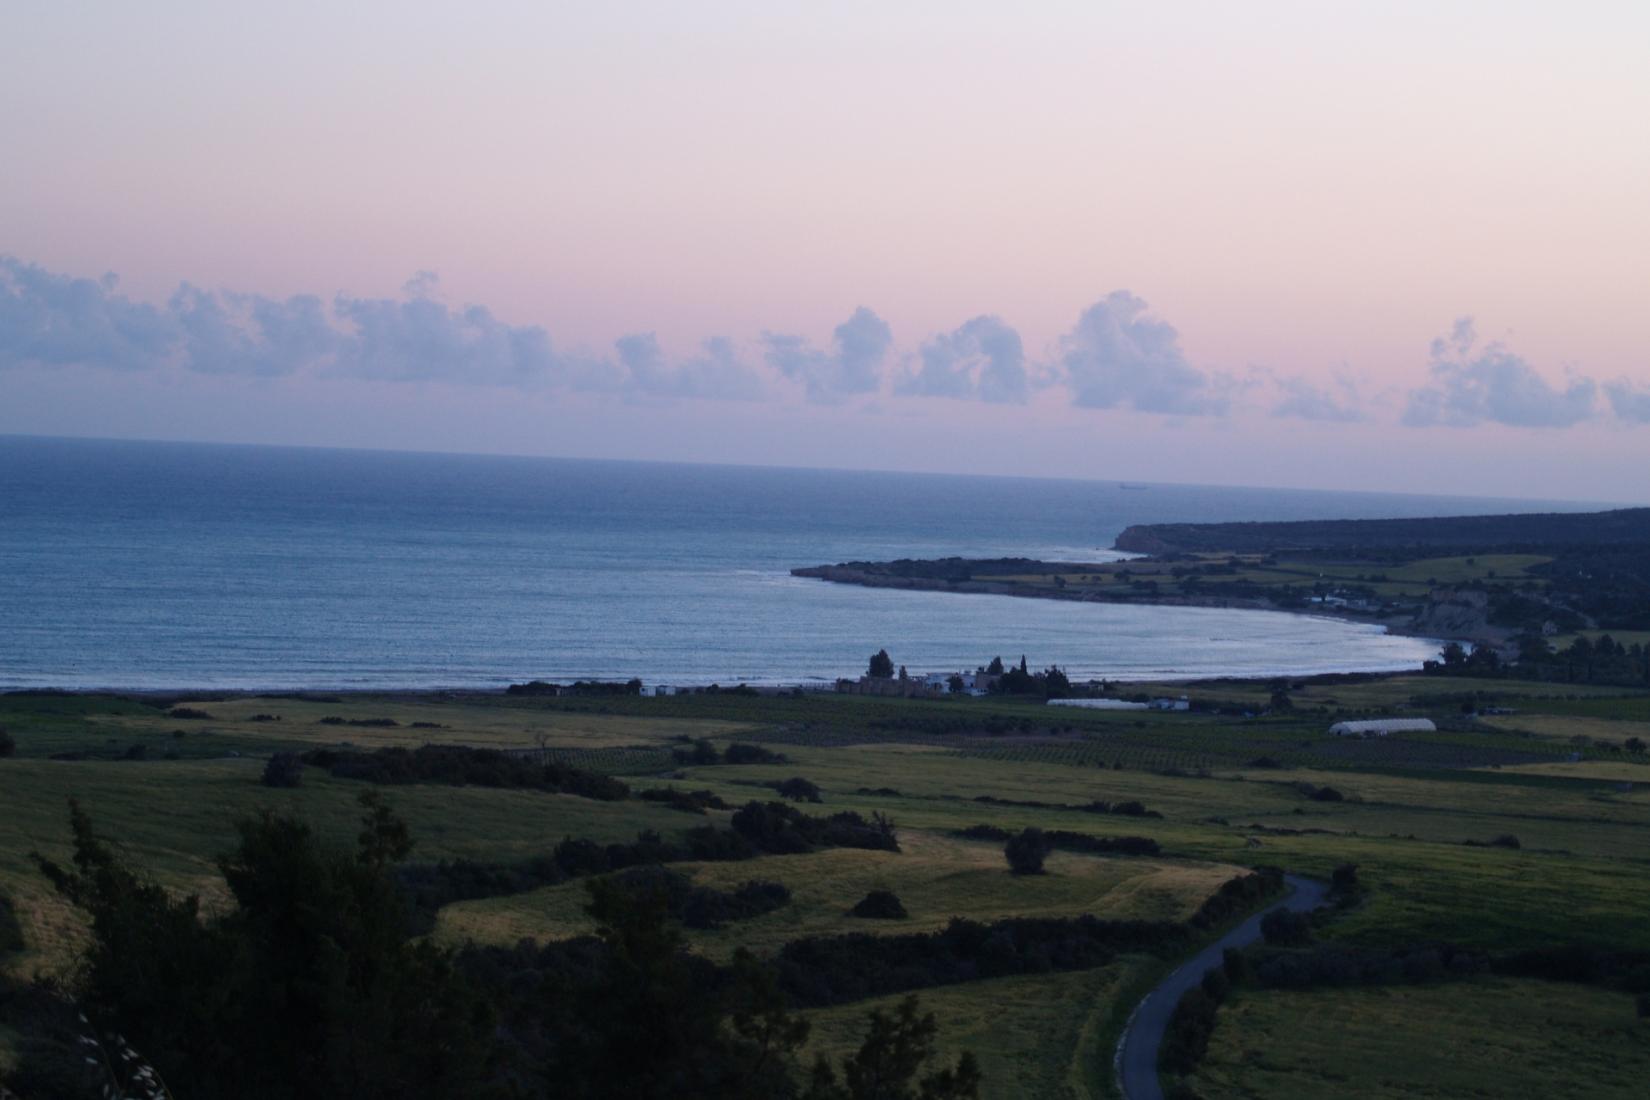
<point x="1403" y="625"/>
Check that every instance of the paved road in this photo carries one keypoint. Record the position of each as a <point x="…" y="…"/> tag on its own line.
<point x="1137" y="1052"/>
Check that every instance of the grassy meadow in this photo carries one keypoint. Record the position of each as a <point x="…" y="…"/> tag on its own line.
<point x="1225" y="792"/>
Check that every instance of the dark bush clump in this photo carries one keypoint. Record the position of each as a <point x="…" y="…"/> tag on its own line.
<point x="1327" y="794"/>
<point x="1025" y="853"/>
<point x="1235" y="896"/>
<point x="1505" y="840"/>
<point x="740" y="753"/>
<point x="797" y="789"/>
<point x="1186" y="1039"/>
<point x="1284" y="928"/>
<point x="692" y="802"/>
<point x="1344" y="879"/>
<point x="8" y="744"/>
<point x="265" y="718"/>
<point x="984" y="832"/>
<point x="461" y="765"/>
<point x="136" y="752"/>
<point x="189" y="713"/>
<point x="285" y="769"/>
<point x="1643" y="1006"/>
<point x="880" y="905"/>
<point x="702" y="752"/>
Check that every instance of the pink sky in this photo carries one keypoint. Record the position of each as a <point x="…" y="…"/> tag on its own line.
<point x="1302" y="191"/>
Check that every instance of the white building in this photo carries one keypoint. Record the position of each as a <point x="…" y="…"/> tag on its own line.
<point x="1380" y="727"/>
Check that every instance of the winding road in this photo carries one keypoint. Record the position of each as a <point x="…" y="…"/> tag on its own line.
<point x="1136" y="1061"/>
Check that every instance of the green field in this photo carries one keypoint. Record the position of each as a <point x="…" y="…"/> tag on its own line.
<point x="1489" y="1037"/>
<point x="1413" y="812"/>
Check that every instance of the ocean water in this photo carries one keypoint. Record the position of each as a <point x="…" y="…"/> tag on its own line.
<point x="165" y="565"/>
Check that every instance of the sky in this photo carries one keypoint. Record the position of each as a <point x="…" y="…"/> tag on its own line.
<point x="1392" y="246"/>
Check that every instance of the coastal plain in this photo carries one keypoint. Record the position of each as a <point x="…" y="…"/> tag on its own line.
<point x="1227" y="786"/>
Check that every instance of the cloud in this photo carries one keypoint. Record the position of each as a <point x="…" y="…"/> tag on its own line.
<point x="854" y="366"/>
<point x="420" y="340"/>
<point x="1473" y="385"/>
<point x="1628" y="401"/>
<point x="1119" y="355"/>
<point x="981" y="359"/>
<point x="716" y="373"/>
<point x="56" y="320"/>
<point x="1305" y="401"/>
<point x="249" y="334"/>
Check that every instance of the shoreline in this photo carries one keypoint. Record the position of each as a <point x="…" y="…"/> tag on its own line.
<point x="1403" y="626"/>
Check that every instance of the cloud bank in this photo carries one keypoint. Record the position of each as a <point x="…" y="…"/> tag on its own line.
<point x="1118" y="355"/>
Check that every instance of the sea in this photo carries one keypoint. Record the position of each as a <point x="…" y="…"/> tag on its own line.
<point x="187" y="566"/>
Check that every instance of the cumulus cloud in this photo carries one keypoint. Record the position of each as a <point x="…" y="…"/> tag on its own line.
<point x="981" y="359"/>
<point x="50" y="320"/>
<point x="1628" y="401"/>
<point x="58" y="320"/>
<point x="1305" y="401"/>
<point x="716" y="373"/>
<point x="225" y="333"/>
<point x="853" y="365"/>
<point x="1474" y="384"/>
<point x="1120" y="355"/>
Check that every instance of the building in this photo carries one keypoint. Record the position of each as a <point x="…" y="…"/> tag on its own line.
<point x="1381" y="727"/>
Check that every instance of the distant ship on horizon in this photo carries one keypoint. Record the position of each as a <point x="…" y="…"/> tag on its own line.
<point x="1126" y="485"/>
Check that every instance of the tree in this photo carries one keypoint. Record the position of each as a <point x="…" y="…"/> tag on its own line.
<point x="285" y="769"/>
<point x="311" y="985"/>
<point x="1633" y="744"/>
<point x="1026" y="851"/>
<point x="1056" y="685"/>
<point x="882" y="666"/>
<point x="1454" y="656"/>
<point x="956" y="684"/>
<point x="895" y="1050"/>
<point x="995" y="668"/>
<point x="8" y="744"/>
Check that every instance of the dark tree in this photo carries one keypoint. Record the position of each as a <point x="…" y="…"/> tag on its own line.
<point x="895" y="1050"/>
<point x="956" y="684"/>
<point x="882" y="666"/>
<point x="880" y="905"/>
<point x="8" y="744"/>
<point x="1026" y="851"/>
<point x="995" y="668"/>
<point x="285" y="769"/>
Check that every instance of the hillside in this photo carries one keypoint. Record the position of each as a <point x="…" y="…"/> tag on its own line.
<point x="1507" y="532"/>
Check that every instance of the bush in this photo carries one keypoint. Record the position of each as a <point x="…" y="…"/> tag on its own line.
<point x="285" y="769"/>
<point x="798" y="789"/>
<point x="1643" y="1005"/>
<point x="880" y="905"/>
<point x="1344" y="880"/>
<point x="189" y="713"/>
<point x="1505" y="840"/>
<point x="8" y="744"/>
<point x="740" y="753"/>
<point x="1284" y="928"/>
<point x="1025" y="853"/>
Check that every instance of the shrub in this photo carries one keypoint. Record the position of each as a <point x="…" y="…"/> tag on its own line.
<point x="189" y="713"/>
<point x="1643" y="1006"/>
<point x="740" y="753"/>
<point x="880" y="905"/>
<point x="797" y="789"/>
<point x="1327" y="794"/>
<point x="1505" y="840"/>
<point x="1025" y="853"/>
<point x="8" y="744"/>
<point x="285" y="769"/>
<point x="1284" y="928"/>
<point x="1344" y="880"/>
